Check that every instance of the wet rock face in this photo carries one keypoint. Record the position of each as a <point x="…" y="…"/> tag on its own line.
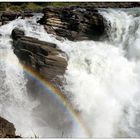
<point x="7" y="129"/>
<point x="42" y="56"/>
<point x="73" y="23"/>
<point x="9" y="16"/>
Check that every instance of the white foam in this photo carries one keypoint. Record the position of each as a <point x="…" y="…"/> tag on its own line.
<point x="102" y="78"/>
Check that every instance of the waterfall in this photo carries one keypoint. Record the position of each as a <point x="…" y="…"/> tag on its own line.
<point x="15" y="105"/>
<point x="102" y="79"/>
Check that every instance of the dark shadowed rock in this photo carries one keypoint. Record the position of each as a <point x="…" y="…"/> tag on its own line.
<point x="73" y="23"/>
<point x="7" y="129"/>
<point x="43" y="57"/>
<point x="27" y="13"/>
<point x="9" y="16"/>
<point x="82" y="22"/>
<point x="16" y="34"/>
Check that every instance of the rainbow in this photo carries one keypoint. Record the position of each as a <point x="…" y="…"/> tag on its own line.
<point x="55" y="92"/>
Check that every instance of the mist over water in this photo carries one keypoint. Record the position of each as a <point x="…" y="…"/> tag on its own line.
<point x="32" y="111"/>
<point x="102" y="82"/>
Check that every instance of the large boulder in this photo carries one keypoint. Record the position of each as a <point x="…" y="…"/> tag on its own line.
<point x="82" y="22"/>
<point x="73" y="23"/>
<point x="9" y="16"/>
<point x="44" y="57"/>
<point x="7" y="129"/>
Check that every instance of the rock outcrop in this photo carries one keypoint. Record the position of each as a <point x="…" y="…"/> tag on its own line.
<point x="81" y="22"/>
<point x="42" y="56"/>
<point x="5" y="17"/>
<point x="7" y="129"/>
<point x="27" y="13"/>
<point x="73" y="23"/>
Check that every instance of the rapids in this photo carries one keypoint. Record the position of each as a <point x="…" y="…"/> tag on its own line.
<point x="102" y="82"/>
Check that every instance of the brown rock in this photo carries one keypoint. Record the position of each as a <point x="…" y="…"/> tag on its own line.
<point x="9" y="16"/>
<point x="7" y="129"/>
<point x="44" y="57"/>
<point x="73" y="23"/>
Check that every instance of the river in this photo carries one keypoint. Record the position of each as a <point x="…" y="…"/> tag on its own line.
<point x="102" y="81"/>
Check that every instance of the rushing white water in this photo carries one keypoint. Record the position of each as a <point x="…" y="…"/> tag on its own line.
<point x="13" y="95"/>
<point x="102" y="79"/>
<point x="34" y="113"/>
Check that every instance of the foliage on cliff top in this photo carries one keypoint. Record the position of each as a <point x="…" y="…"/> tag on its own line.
<point x="19" y="6"/>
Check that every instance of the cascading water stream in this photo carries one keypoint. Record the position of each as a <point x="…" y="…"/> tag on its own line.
<point x="27" y="113"/>
<point x="102" y="78"/>
<point x="13" y="95"/>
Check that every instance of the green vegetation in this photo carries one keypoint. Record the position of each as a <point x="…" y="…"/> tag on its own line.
<point x="32" y="6"/>
<point x="14" y="8"/>
<point x="18" y="6"/>
<point x="3" y="6"/>
<point x="9" y="6"/>
<point x="63" y="3"/>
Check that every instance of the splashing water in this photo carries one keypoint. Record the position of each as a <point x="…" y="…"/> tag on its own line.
<point x="41" y="117"/>
<point x="102" y="78"/>
<point x="15" y="105"/>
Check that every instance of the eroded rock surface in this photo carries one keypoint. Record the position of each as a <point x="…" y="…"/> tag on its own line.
<point x="42" y="56"/>
<point x="7" y="16"/>
<point x="73" y="23"/>
<point x="7" y="129"/>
